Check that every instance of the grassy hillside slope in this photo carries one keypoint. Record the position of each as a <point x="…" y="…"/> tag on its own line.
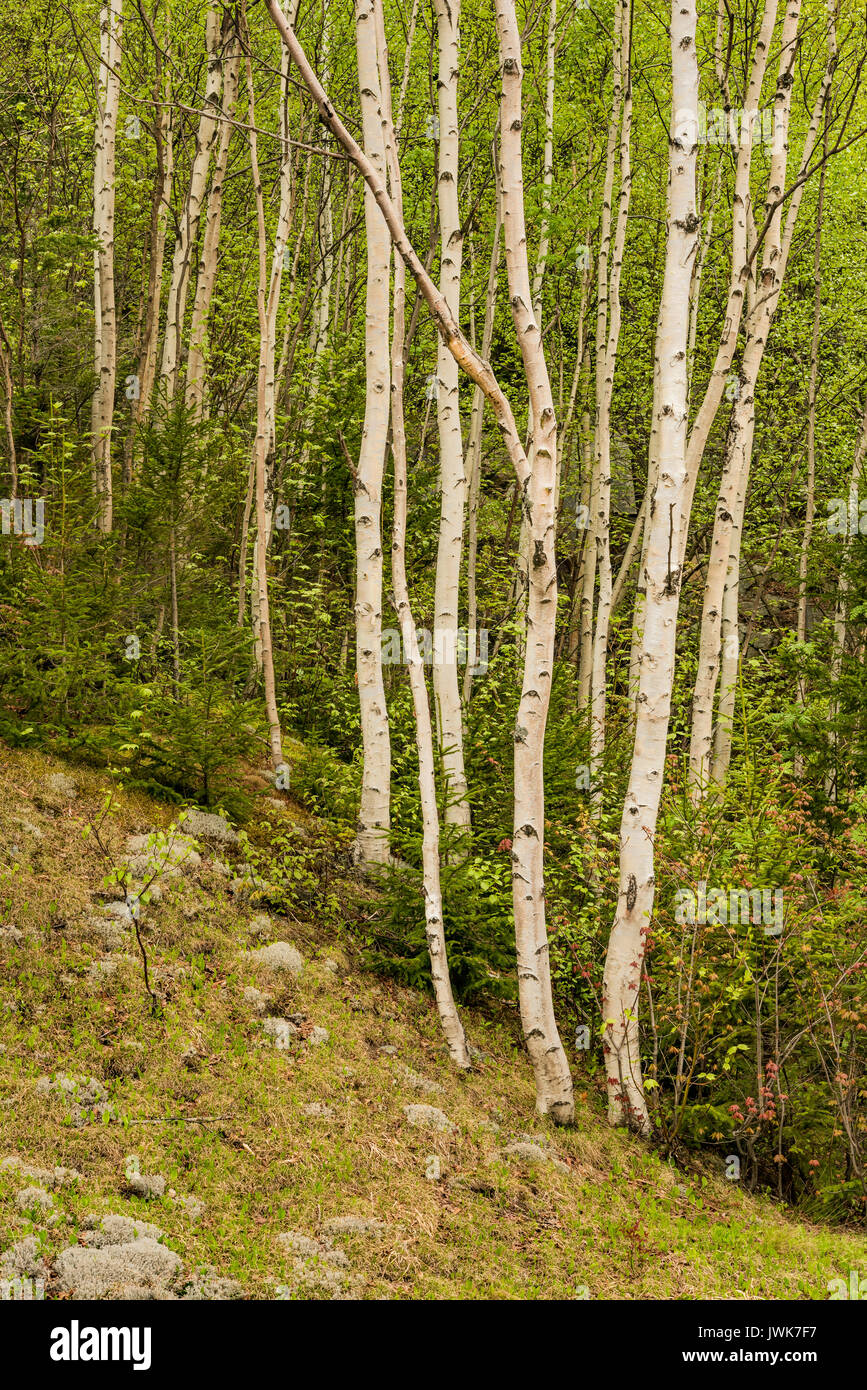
<point x="299" y="1129"/>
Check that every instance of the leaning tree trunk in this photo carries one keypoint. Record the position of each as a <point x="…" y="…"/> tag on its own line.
<point x="707" y="412"/>
<point x="624" y="962"/>
<point x="272" y="305"/>
<point x="162" y="197"/>
<point x="453" y="480"/>
<point x="207" y="277"/>
<point x="105" y="313"/>
<point x="474" y="462"/>
<point x="739" y="441"/>
<point x="553" y="1083"/>
<point x="759" y="324"/>
<point x="188" y="229"/>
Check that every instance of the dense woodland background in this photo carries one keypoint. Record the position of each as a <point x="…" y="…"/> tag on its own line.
<point x="183" y="361"/>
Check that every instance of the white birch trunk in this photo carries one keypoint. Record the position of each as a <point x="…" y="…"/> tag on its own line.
<point x="105" y="314"/>
<point x="374" y="813"/>
<point x="150" y="337"/>
<point x="453" y="480"/>
<point x="588" y="568"/>
<point x="553" y="1083"/>
<point x="474" y="458"/>
<point x="608" y="317"/>
<point x="714" y="391"/>
<point x="760" y="319"/>
<point x="272" y="305"/>
<point x="191" y="215"/>
<point x="433" y="901"/>
<point x="739" y="442"/>
<point x="261" y="448"/>
<point x="207" y="277"/>
<point x="624" y="962"/>
<point x="548" y="162"/>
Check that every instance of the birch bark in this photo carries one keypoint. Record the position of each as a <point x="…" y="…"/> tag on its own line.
<point x="453" y="480"/>
<point x="151" y="330"/>
<point x="105" y="313"/>
<point x="738" y="280"/>
<point x="207" y="277"/>
<point x="272" y="305"/>
<point x="553" y="1083"/>
<point x="548" y="162"/>
<point x="474" y="460"/>
<point x="625" y="957"/>
<point x="189" y="223"/>
<point x="374" y="810"/>
<point x="432" y="888"/>
<point x="741" y="426"/>
<point x="261" y="447"/>
<point x="760" y="319"/>
<point x="608" y="316"/>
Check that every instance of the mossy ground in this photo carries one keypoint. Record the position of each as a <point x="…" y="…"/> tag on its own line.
<point x="201" y="1098"/>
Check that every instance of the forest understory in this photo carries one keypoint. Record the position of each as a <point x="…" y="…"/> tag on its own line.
<point x="433" y="701"/>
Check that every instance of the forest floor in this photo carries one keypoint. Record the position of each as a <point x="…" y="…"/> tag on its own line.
<point x="288" y="1125"/>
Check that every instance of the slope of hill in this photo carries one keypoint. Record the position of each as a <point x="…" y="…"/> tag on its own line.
<point x="272" y="1122"/>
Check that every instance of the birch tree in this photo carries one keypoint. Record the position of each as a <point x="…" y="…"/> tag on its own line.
<point x="733" y="470"/>
<point x="624" y="960"/>
<point x="453" y="481"/>
<point x="738" y="280"/>
<point x="263" y="632"/>
<point x="272" y="306"/>
<point x="553" y="1081"/>
<point x="608" y="316"/>
<point x="432" y="887"/>
<point x="841" y="607"/>
<point x="105" y="311"/>
<point x="374" y="813"/>
<point x="474" y="456"/>
<point x="719" y="639"/>
<point x="161" y="204"/>
<point x="208" y="263"/>
<point x="758" y="330"/>
<point x="188" y="228"/>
